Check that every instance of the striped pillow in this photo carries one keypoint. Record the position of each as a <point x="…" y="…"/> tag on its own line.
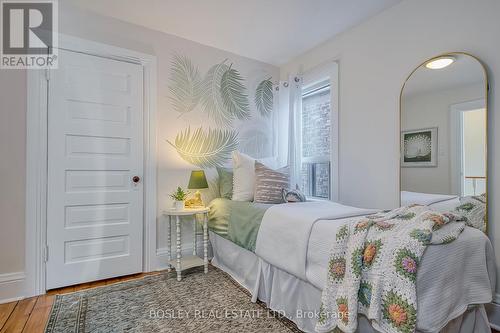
<point x="269" y="183"/>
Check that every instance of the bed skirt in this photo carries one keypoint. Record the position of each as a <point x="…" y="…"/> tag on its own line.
<point x="299" y="300"/>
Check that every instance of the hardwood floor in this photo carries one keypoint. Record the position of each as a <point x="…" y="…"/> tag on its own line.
<point x="30" y="315"/>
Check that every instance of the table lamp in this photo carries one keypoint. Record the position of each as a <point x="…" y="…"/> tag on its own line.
<point x="197" y="181"/>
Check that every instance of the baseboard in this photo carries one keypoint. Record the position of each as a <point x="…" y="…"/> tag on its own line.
<point x="12" y="287"/>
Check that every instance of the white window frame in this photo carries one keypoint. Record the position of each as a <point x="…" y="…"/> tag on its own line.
<point x="310" y="90"/>
<point x="328" y="71"/>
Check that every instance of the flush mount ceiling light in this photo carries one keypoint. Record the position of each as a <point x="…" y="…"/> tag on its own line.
<point x="441" y="62"/>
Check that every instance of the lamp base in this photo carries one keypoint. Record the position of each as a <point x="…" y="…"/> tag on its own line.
<point x="195" y="202"/>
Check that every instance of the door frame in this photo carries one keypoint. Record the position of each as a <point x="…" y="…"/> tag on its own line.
<point x="36" y="157"/>
<point x="456" y="158"/>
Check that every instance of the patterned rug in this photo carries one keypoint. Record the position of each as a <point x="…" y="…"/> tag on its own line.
<point x="199" y="303"/>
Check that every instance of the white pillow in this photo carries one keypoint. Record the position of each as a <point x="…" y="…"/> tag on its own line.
<point x="243" y="177"/>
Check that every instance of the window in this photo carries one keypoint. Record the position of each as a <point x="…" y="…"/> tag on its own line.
<point x="316" y="140"/>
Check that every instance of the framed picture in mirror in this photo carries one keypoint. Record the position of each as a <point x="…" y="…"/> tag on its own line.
<point x="419" y="147"/>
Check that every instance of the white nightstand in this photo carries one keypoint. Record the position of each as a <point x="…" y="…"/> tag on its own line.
<point x="181" y="263"/>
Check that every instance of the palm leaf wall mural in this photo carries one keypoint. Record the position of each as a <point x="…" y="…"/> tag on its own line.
<point x="234" y="95"/>
<point x="185" y="84"/>
<point x="264" y="97"/>
<point x="206" y="149"/>
<point x="211" y="97"/>
<point x="223" y="97"/>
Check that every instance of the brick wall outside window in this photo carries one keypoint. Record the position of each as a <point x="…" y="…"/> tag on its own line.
<point x="316" y="125"/>
<point x="316" y="142"/>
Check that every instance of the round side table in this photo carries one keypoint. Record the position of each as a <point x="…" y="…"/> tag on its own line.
<point x="183" y="263"/>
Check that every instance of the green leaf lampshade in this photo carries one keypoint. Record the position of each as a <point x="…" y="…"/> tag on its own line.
<point x="197" y="180"/>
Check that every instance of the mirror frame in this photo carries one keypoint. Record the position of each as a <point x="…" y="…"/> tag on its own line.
<point x="486" y="102"/>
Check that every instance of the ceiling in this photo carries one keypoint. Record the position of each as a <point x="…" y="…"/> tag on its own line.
<point x="464" y="71"/>
<point x="273" y="31"/>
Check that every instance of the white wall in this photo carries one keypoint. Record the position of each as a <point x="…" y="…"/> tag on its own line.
<point x="172" y="170"/>
<point x="375" y="58"/>
<point x="432" y="109"/>
<point x="12" y="169"/>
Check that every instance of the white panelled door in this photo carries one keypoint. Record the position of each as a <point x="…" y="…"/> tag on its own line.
<point x="95" y="164"/>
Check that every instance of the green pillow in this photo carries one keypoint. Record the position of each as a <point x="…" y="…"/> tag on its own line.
<point x="225" y="182"/>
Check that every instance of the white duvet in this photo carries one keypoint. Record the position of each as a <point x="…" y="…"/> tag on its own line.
<point x="426" y="199"/>
<point x="284" y="232"/>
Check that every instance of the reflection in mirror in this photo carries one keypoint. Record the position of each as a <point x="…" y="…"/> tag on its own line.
<point x="443" y="131"/>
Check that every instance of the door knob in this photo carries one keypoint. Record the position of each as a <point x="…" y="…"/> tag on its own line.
<point x="136" y="179"/>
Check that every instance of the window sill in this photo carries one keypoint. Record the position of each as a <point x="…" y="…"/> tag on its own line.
<point x="317" y="199"/>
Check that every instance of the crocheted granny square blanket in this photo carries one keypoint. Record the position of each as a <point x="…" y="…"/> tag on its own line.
<point x="373" y="268"/>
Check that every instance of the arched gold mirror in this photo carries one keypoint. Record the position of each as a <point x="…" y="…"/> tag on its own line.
<point x="444" y="116"/>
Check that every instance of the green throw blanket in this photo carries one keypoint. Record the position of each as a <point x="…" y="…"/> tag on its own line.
<point x="373" y="268"/>
<point x="238" y="221"/>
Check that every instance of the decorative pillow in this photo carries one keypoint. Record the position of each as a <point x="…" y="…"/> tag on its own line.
<point x="225" y="182"/>
<point x="473" y="209"/>
<point x="293" y="195"/>
<point x="269" y="184"/>
<point x="243" y="177"/>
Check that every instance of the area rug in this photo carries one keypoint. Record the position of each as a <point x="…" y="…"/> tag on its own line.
<point x="211" y="302"/>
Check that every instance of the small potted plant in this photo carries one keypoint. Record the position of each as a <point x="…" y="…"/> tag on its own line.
<point x="179" y="196"/>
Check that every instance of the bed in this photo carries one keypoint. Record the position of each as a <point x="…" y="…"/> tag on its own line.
<point x="438" y="201"/>
<point x="450" y="293"/>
